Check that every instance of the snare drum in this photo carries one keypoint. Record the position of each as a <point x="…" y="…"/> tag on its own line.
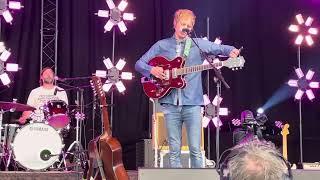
<point x="56" y="113"/>
<point x="37" y="146"/>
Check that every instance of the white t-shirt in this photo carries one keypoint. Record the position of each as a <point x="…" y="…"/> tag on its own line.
<point x="38" y="97"/>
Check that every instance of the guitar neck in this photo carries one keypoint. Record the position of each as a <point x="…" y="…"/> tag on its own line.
<point x="197" y="68"/>
<point x="284" y="147"/>
<point x="105" y="119"/>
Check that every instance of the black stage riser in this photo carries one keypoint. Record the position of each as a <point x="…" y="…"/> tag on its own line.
<point x="207" y="174"/>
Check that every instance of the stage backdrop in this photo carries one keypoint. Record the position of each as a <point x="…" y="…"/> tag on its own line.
<point x="259" y="26"/>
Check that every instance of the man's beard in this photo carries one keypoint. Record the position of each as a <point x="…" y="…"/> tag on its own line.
<point x="48" y="80"/>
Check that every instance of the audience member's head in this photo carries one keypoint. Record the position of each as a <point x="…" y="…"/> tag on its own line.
<point x="256" y="160"/>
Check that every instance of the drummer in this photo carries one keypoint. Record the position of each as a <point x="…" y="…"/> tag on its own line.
<point x="39" y="96"/>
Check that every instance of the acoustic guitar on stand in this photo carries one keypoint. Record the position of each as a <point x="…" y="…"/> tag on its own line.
<point x="105" y="149"/>
<point x="174" y="71"/>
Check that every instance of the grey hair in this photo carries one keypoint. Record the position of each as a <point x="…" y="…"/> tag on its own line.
<point x="256" y="160"/>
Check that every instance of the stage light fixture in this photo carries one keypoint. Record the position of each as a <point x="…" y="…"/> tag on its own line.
<point x="4" y="66"/>
<point x="304" y="30"/>
<point x="5" y="55"/>
<point x="279" y="124"/>
<point x="6" y="9"/>
<point x="117" y="17"/>
<point x="114" y="75"/>
<point x="304" y="33"/>
<point x="15" y="5"/>
<point x="304" y="84"/>
<point x="260" y="110"/>
<point x="210" y="111"/>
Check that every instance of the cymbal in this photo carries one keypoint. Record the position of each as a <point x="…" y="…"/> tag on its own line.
<point x="15" y="106"/>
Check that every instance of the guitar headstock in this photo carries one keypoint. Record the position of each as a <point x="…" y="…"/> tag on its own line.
<point x="234" y="63"/>
<point x="97" y="89"/>
<point x="285" y="130"/>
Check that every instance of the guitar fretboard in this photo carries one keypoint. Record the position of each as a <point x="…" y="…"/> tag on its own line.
<point x="197" y="68"/>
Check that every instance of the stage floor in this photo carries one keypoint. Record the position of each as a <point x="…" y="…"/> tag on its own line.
<point x="50" y="175"/>
<point x="144" y="174"/>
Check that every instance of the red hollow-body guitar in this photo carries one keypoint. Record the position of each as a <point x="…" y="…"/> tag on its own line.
<point x="174" y="71"/>
<point x="105" y="149"/>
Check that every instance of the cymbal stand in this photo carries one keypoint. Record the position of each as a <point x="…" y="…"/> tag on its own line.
<point x="3" y="141"/>
<point x="6" y="153"/>
<point x="76" y="145"/>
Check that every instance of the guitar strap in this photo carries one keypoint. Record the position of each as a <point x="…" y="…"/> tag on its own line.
<point x="187" y="47"/>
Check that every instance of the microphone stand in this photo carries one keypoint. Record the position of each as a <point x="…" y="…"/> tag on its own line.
<point x="218" y="80"/>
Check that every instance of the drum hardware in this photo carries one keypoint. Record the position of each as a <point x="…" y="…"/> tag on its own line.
<point x="78" y="153"/>
<point x="8" y="107"/>
<point x="7" y="138"/>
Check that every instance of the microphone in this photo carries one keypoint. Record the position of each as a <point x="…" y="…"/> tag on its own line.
<point x="55" y="91"/>
<point x="59" y="79"/>
<point x="186" y="30"/>
<point x="45" y="155"/>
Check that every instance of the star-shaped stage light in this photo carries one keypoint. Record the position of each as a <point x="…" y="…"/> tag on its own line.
<point x="6" y="7"/>
<point x="304" y="30"/>
<point x="116" y="16"/>
<point x="210" y="110"/>
<point x="304" y="84"/>
<point x="6" y="67"/>
<point x="113" y="75"/>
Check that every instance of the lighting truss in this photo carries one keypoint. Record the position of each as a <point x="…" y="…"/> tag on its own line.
<point x="114" y="75"/>
<point x="304" y="84"/>
<point x="4" y="66"/>
<point x="116" y="16"/>
<point x="210" y="111"/>
<point x="6" y="8"/>
<point x="304" y="30"/>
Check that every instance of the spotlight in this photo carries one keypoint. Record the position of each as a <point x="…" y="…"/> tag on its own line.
<point x="260" y="110"/>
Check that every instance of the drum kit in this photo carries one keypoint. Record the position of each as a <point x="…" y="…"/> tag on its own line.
<point x="37" y="145"/>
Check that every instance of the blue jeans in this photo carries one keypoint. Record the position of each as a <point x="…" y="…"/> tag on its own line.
<point x="175" y="116"/>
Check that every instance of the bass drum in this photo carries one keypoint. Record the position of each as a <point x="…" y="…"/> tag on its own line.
<point x="37" y="146"/>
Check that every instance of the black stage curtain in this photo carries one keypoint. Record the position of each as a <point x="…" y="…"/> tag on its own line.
<point x="259" y="26"/>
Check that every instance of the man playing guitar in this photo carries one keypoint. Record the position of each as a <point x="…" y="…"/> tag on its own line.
<point x="183" y="105"/>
